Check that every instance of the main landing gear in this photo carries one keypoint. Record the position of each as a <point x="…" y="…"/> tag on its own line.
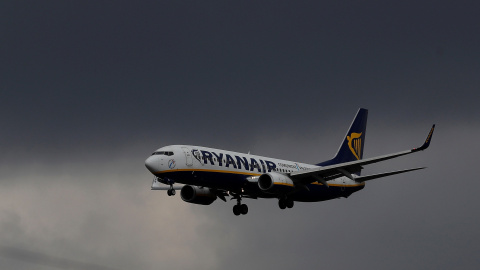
<point x="239" y="208"/>
<point x="285" y="203"/>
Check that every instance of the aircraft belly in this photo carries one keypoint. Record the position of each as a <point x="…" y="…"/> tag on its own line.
<point x="207" y="179"/>
<point x="318" y="193"/>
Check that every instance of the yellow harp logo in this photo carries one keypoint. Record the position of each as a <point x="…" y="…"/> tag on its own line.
<point x="355" y="144"/>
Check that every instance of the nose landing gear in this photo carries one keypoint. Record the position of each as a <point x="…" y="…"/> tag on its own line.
<point x="157" y="181"/>
<point x="171" y="191"/>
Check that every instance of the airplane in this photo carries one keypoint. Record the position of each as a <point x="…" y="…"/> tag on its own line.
<point x="208" y="173"/>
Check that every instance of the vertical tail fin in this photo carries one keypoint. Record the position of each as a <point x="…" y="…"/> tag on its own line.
<point x="351" y="148"/>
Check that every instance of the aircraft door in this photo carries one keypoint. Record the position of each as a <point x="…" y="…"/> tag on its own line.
<point x="188" y="156"/>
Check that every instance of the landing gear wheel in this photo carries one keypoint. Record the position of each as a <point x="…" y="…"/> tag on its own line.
<point x="171" y="192"/>
<point x="282" y="204"/>
<point x="243" y="209"/>
<point x="239" y="208"/>
<point x="289" y="203"/>
<point x="236" y="210"/>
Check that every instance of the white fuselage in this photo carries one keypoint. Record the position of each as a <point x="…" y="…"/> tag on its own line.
<point x="222" y="169"/>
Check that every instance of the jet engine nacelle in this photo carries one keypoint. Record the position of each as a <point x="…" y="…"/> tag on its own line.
<point x="197" y="195"/>
<point x="275" y="183"/>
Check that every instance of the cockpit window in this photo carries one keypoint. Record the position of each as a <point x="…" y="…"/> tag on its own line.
<point x="166" y="153"/>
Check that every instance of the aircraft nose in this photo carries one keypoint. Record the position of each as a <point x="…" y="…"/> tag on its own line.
<point x="152" y="164"/>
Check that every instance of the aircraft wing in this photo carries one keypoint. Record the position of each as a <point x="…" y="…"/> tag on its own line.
<point x="323" y="174"/>
<point x="167" y="188"/>
<point x="156" y="185"/>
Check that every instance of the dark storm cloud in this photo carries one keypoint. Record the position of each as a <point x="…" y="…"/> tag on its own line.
<point x="88" y="71"/>
<point x="37" y="258"/>
<point x="88" y="89"/>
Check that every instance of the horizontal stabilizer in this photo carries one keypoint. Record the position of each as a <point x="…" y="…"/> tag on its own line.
<point x="379" y="175"/>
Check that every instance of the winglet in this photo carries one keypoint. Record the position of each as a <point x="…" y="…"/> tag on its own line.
<point x="427" y="141"/>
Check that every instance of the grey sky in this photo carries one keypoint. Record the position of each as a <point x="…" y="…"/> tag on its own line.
<point x="89" y="89"/>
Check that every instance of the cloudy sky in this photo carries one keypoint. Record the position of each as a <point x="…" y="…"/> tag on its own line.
<point x="88" y="89"/>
